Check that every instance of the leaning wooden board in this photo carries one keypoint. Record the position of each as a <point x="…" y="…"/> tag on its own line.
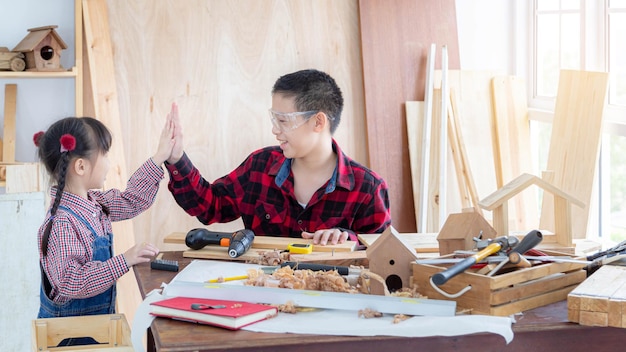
<point x="575" y="144"/>
<point x="395" y="39"/>
<point x="600" y="300"/>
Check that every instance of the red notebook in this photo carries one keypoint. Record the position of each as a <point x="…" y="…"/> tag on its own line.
<point x="231" y="315"/>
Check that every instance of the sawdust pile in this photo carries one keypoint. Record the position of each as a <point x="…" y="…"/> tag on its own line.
<point x="286" y="277"/>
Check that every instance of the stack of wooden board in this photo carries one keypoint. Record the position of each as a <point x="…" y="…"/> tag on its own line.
<point x="260" y="244"/>
<point x="600" y="300"/>
<point x="504" y="294"/>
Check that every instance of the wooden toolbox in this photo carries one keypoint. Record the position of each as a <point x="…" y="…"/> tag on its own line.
<point x="507" y="293"/>
<point x="110" y="330"/>
<point x="600" y="300"/>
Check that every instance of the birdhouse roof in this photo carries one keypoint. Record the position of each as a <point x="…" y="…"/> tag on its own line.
<point x="35" y="36"/>
<point x="387" y="238"/>
<point x="520" y="183"/>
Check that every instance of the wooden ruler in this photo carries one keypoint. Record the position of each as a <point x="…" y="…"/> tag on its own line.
<point x="303" y="298"/>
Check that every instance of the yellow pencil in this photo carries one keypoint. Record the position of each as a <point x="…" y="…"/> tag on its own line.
<point x="232" y="278"/>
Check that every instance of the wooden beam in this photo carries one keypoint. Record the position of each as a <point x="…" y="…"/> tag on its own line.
<point x="575" y="143"/>
<point x="102" y="75"/>
<point x="395" y="37"/>
<point x="10" y="102"/>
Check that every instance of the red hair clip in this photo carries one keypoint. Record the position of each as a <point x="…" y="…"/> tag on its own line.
<point x="37" y="138"/>
<point x="68" y="143"/>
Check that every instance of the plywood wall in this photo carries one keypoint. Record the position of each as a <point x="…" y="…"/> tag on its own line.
<point x="218" y="60"/>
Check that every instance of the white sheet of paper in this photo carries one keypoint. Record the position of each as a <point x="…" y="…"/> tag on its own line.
<point x="327" y="321"/>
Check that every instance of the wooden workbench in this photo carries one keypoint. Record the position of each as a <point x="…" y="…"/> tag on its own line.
<point x="541" y="329"/>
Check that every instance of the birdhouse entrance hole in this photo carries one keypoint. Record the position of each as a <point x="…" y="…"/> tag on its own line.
<point x="47" y="52"/>
<point x="394" y="283"/>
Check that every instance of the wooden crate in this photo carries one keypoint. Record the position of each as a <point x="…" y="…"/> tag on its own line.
<point x="110" y="330"/>
<point x="600" y="300"/>
<point x="507" y="293"/>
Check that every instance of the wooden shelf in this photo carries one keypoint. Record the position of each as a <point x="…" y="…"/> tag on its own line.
<point x="40" y="74"/>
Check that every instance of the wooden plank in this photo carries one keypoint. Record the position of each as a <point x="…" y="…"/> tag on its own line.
<point x="536" y="287"/>
<point x="421" y="211"/>
<point x="22" y="178"/>
<point x="395" y="37"/>
<point x="105" y="98"/>
<point x="443" y="141"/>
<point x="238" y="37"/>
<point x="356" y="258"/>
<point x="600" y="300"/>
<point x="417" y="139"/>
<point x="10" y="103"/>
<point x="575" y="143"/>
<point x="221" y="253"/>
<point x="468" y="176"/>
<point x="269" y="242"/>
<point x="435" y="181"/>
<point x="511" y="139"/>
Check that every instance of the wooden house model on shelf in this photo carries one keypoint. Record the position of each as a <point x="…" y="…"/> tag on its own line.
<point x="42" y="48"/>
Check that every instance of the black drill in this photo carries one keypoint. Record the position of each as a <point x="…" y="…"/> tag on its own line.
<point x="238" y="242"/>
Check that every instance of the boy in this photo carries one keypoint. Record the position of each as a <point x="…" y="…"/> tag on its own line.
<point x="304" y="187"/>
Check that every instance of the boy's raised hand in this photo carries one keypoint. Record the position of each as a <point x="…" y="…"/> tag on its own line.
<point x="166" y="141"/>
<point x="177" y="150"/>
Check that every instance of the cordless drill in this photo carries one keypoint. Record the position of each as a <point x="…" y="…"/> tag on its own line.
<point x="238" y="242"/>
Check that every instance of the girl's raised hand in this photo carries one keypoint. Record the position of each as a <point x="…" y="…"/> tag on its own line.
<point x="166" y="141"/>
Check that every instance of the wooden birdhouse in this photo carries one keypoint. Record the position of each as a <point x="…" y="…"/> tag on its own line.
<point x="391" y="257"/>
<point x="42" y="49"/>
<point x="459" y="230"/>
<point x="497" y="202"/>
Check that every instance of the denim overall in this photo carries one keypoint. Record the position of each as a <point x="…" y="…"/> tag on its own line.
<point x="103" y="303"/>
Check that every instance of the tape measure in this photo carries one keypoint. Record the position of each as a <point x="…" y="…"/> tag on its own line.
<point x="300" y="248"/>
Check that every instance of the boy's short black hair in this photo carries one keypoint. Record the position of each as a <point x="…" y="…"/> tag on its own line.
<point x="313" y="90"/>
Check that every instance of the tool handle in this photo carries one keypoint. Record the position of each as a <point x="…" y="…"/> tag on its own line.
<point x="530" y="241"/>
<point x="342" y="270"/>
<point x="198" y="238"/>
<point x="443" y="277"/>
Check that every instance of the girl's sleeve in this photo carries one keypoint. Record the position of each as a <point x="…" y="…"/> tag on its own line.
<point x="140" y="193"/>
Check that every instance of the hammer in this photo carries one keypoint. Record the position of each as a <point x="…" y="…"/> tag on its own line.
<point x="501" y="243"/>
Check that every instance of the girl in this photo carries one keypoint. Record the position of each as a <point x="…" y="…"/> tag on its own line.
<point x="78" y="267"/>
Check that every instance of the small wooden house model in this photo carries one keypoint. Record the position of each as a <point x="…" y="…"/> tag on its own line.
<point x="391" y="258"/>
<point x="459" y="231"/>
<point x="497" y="202"/>
<point x="42" y="49"/>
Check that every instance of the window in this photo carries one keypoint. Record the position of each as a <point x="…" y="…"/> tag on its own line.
<point x="585" y="35"/>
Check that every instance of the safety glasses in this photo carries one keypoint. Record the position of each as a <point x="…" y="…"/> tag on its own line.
<point x="289" y="121"/>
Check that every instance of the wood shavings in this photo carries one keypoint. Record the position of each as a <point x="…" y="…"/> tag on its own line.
<point x="400" y="318"/>
<point x="286" y="277"/>
<point x="368" y="313"/>
<point x="288" y="307"/>
<point x="271" y="258"/>
<point x="408" y="293"/>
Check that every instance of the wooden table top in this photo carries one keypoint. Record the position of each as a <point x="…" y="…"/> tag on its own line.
<point x="540" y="329"/>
